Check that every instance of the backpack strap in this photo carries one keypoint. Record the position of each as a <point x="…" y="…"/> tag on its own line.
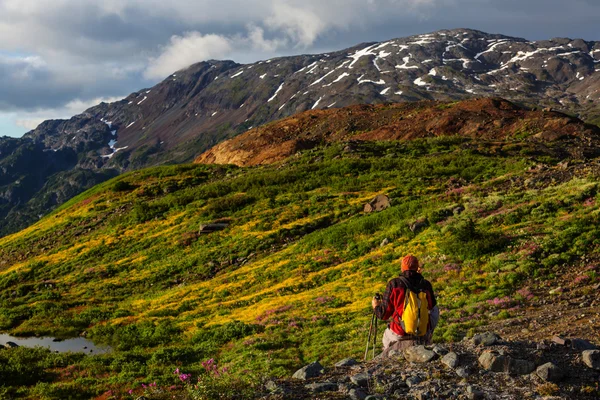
<point x="407" y="286"/>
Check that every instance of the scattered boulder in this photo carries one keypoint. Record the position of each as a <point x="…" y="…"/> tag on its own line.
<point x="361" y="380"/>
<point x="11" y="345"/>
<point x="486" y="339"/>
<point x="311" y="370"/>
<point x="418" y="354"/>
<point x="418" y="225"/>
<point x="346" y="362"/>
<point x="450" y="360"/>
<point x="520" y="367"/>
<point x="492" y="361"/>
<point x="379" y="203"/>
<point x="549" y="372"/>
<point x="500" y="363"/>
<point x="462" y="372"/>
<point x="322" y="387"/>
<point x="214" y="227"/>
<point x="591" y="358"/>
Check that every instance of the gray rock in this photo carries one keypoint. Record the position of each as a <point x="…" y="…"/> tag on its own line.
<point x="384" y="242"/>
<point x="346" y="362"/>
<point x="520" y="367"/>
<point x="311" y="370"/>
<point x="495" y="362"/>
<point x="492" y="361"/>
<point x="412" y="381"/>
<point x="418" y="354"/>
<point x="450" y="360"/>
<point x="486" y="339"/>
<point x="379" y="203"/>
<point x="591" y="358"/>
<point x="11" y="345"/>
<point x="210" y="228"/>
<point x="581" y="345"/>
<point x="462" y="372"/>
<point x="322" y="387"/>
<point x="357" y="394"/>
<point x="549" y="372"/>
<point x="374" y="397"/>
<point x="360" y="379"/>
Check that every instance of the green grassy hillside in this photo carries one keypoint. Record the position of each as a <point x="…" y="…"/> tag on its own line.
<point x="290" y="279"/>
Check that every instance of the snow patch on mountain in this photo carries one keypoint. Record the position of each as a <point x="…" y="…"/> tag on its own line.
<point x="275" y="95"/>
<point x="317" y="103"/>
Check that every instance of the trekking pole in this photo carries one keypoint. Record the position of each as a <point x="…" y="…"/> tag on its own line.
<point x="373" y="321"/>
<point x="369" y="339"/>
<point x="374" y="339"/>
<point x="377" y="297"/>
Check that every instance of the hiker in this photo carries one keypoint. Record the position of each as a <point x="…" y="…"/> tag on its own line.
<point x="417" y="325"/>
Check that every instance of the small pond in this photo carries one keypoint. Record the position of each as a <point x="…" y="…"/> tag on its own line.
<point x="79" y="344"/>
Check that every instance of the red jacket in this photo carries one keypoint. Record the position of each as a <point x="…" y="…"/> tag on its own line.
<point x="392" y="304"/>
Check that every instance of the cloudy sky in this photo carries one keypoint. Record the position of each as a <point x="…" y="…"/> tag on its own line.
<point x="58" y="57"/>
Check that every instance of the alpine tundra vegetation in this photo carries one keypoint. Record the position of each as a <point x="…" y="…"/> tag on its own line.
<point x="508" y="214"/>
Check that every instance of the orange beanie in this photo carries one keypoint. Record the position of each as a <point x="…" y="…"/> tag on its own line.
<point x="410" y="263"/>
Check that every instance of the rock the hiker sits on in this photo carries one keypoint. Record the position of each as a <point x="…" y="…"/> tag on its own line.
<point x="410" y="305"/>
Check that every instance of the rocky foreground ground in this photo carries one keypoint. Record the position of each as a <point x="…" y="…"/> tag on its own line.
<point x="482" y="367"/>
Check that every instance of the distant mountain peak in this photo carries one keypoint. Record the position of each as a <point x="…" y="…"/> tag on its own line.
<point x="197" y="107"/>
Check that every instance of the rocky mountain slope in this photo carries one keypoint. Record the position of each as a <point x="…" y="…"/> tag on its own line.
<point x="484" y="119"/>
<point x="484" y="367"/>
<point x="233" y="274"/>
<point x="195" y="108"/>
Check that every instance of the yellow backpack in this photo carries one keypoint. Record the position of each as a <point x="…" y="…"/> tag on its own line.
<point x="415" y="317"/>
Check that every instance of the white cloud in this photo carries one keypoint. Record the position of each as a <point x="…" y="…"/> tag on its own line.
<point x="185" y="50"/>
<point x="257" y="40"/>
<point x="301" y="25"/>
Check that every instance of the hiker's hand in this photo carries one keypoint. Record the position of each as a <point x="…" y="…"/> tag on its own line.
<point x="375" y="302"/>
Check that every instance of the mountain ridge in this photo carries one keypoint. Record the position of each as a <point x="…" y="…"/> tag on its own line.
<point x="199" y="106"/>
